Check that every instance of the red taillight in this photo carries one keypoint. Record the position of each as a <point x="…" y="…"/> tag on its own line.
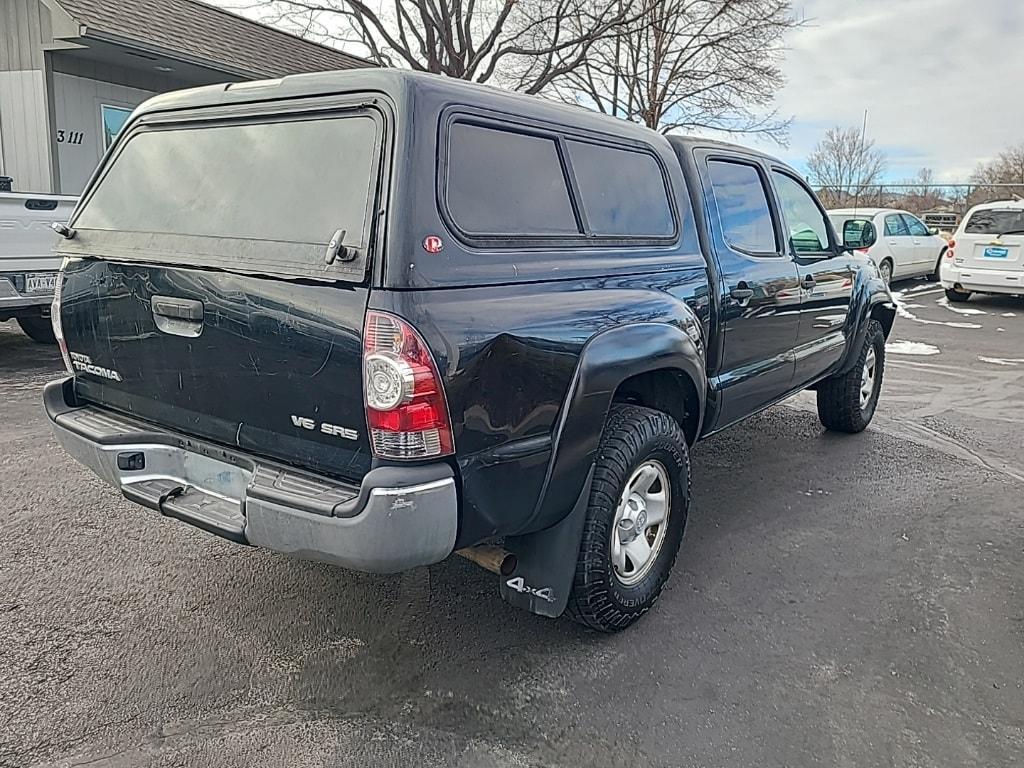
<point x="405" y="404"/>
<point x="58" y="328"/>
<point x="949" y="251"/>
<point x="862" y="250"/>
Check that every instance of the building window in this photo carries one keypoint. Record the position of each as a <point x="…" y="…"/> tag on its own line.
<point x="114" y="119"/>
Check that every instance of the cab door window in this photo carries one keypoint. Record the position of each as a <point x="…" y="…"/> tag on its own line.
<point x="742" y="204"/>
<point x="805" y="221"/>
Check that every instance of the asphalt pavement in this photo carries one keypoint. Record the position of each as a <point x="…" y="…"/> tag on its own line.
<point x="838" y="600"/>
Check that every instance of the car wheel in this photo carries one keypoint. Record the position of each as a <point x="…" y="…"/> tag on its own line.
<point x="39" y="329"/>
<point x="956" y="296"/>
<point x="885" y="270"/>
<point x="635" y="519"/>
<point x="933" y="277"/>
<point x="847" y="402"/>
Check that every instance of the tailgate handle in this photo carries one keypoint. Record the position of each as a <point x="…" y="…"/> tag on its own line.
<point x="178" y="309"/>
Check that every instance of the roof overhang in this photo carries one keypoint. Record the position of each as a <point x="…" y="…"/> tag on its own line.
<point x="66" y="33"/>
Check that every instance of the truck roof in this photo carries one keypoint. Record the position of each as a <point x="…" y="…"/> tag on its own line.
<point x="399" y="85"/>
<point x="694" y="142"/>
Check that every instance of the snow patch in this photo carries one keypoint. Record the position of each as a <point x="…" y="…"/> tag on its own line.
<point x="944" y="302"/>
<point x="911" y="348"/>
<point x="921" y="288"/>
<point x="903" y="311"/>
<point x="1002" y="360"/>
<point x="1009" y="314"/>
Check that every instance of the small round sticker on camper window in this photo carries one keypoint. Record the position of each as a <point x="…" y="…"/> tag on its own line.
<point x="432" y="244"/>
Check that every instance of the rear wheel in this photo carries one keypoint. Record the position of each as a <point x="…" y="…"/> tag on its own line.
<point x="958" y="296"/>
<point x="38" y="328"/>
<point x="885" y="270"/>
<point x="847" y="402"/>
<point x="635" y="519"/>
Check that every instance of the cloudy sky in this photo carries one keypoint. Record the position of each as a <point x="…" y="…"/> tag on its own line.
<point x="941" y="79"/>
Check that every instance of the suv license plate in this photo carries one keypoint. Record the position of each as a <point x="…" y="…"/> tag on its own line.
<point x="40" y="282"/>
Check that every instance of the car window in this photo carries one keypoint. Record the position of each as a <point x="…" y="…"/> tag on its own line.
<point x="914" y="226"/>
<point x="742" y="204"/>
<point x="995" y="221"/>
<point x="623" y="192"/>
<point x="506" y="183"/>
<point x="805" y="222"/>
<point x="895" y="226"/>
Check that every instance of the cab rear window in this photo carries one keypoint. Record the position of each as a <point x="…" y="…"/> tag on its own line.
<point x="996" y="222"/>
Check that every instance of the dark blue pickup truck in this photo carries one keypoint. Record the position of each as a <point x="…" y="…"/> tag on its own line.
<point x="376" y="318"/>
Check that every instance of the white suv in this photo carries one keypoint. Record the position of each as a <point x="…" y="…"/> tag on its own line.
<point x="904" y="246"/>
<point x="986" y="254"/>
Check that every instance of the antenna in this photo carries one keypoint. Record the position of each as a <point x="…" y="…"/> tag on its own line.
<point x="863" y="148"/>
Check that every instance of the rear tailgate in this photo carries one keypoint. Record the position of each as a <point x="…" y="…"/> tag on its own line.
<point x="201" y="292"/>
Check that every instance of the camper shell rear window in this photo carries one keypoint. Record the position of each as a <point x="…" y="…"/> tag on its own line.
<point x="261" y="195"/>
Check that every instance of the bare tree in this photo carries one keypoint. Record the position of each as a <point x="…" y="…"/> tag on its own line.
<point x="524" y="45"/>
<point x="1006" y="168"/>
<point x="845" y="164"/>
<point x="921" y="193"/>
<point x="686" y="64"/>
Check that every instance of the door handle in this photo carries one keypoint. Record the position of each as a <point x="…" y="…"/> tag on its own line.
<point x="808" y="282"/>
<point x="742" y="293"/>
<point x="178" y="317"/>
<point x="179" y="309"/>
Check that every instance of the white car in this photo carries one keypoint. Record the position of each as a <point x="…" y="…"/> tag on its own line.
<point x="904" y="246"/>
<point x="986" y="254"/>
<point x="28" y="264"/>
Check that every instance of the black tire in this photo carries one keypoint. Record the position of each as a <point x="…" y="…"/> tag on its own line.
<point x="632" y="437"/>
<point x="38" y="329"/>
<point x="958" y="297"/>
<point x="839" y="397"/>
<point x="934" y="276"/>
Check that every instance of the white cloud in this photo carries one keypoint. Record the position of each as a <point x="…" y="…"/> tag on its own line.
<point x="941" y="79"/>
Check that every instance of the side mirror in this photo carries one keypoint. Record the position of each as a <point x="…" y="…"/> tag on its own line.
<point x="858" y="233"/>
<point x="933" y="230"/>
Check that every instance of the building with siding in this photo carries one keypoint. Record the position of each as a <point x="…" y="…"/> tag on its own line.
<point x="71" y="71"/>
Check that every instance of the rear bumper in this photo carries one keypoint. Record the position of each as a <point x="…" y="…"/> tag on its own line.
<point x="12" y="299"/>
<point x="981" y="280"/>
<point x="398" y="517"/>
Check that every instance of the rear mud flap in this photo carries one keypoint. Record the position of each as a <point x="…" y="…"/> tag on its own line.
<point x="546" y="562"/>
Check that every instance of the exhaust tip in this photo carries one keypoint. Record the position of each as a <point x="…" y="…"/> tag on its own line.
<point x="508" y="564"/>
<point x="494" y="559"/>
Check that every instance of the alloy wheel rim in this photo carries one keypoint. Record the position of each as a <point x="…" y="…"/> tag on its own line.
<point x="867" y="378"/>
<point x="886" y="271"/>
<point x="641" y="520"/>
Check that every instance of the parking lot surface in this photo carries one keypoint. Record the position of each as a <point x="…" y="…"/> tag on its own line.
<point x="838" y="600"/>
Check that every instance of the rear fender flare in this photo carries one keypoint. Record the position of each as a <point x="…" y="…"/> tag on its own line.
<point x="546" y="556"/>
<point x="607" y="360"/>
